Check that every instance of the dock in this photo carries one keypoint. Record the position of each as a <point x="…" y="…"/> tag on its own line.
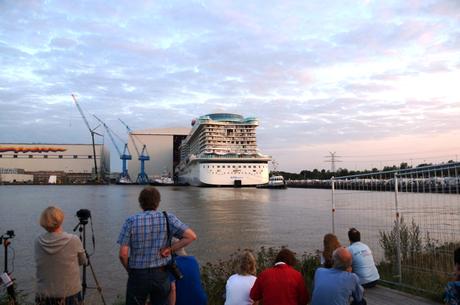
<point x="380" y="295"/>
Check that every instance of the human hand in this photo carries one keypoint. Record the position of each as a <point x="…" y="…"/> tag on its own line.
<point x="165" y="252"/>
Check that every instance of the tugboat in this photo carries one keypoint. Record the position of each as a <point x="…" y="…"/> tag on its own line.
<point x="275" y="182"/>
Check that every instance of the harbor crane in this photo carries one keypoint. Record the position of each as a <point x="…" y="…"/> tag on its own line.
<point x="143" y="156"/>
<point x="125" y="155"/>
<point x="93" y="132"/>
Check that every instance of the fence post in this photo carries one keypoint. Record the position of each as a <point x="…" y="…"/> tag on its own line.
<point x="398" y="232"/>
<point x="333" y="205"/>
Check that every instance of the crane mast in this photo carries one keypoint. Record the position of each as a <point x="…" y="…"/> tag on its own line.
<point x="93" y="132"/>
<point x="143" y="156"/>
<point x="124" y="156"/>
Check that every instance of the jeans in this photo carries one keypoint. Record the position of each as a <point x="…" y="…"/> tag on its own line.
<point x="152" y="282"/>
<point x="75" y="299"/>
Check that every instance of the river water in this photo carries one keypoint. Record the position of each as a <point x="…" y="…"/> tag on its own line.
<point x="224" y="219"/>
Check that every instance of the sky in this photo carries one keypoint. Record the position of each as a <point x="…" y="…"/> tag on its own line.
<point x="377" y="82"/>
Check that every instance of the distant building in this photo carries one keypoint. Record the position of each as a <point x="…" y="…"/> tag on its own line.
<point x="162" y="145"/>
<point x="70" y="163"/>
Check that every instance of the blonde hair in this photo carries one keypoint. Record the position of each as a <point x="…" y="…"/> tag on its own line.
<point x="247" y="263"/>
<point x="51" y="218"/>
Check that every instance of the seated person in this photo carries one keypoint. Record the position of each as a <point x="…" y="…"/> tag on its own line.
<point x="239" y="285"/>
<point x="281" y="284"/>
<point x="335" y="286"/>
<point x="452" y="292"/>
<point x="330" y="243"/>
<point x="188" y="290"/>
<point x="363" y="261"/>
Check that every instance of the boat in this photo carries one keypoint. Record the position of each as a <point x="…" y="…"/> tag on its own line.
<point x="163" y="180"/>
<point x="221" y="150"/>
<point x="275" y="182"/>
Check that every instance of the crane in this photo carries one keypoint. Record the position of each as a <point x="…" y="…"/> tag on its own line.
<point x="125" y="155"/>
<point x="93" y="132"/>
<point x="143" y="156"/>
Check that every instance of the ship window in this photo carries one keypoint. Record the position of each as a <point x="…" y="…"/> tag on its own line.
<point x="213" y="166"/>
<point x="90" y="157"/>
<point x="233" y="166"/>
<point x="249" y="166"/>
<point x="15" y="156"/>
<point x="239" y="166"/>
<point x="75" y="156"/>
<point x="60" y="156"/>
<point x="218" y="166"/>
<point x="244" y="166"/>
<point x="31" y="156"/>
<point x="45" y="156"/>
<point x="1" y="156"/>
<point x="253" y="170"/>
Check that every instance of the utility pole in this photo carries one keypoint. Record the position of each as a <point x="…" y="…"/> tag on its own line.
<point x="332" y="158"/>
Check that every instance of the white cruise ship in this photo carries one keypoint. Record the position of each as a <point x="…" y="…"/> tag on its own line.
<point x="221" y="150"/>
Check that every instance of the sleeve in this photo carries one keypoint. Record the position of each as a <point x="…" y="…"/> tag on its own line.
<point x="177" y="227"/>
<point x="124" y="237"/>
<point x="302" y="291"/>
<point x="256" y="290"/>
<point x="358" y="290"/>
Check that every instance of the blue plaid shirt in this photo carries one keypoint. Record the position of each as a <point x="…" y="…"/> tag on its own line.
<point x="145" y="234"/>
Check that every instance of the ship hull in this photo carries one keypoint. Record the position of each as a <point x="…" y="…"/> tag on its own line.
<point x="236" y="174"/>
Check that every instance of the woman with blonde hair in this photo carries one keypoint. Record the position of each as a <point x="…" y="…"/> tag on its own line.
<point x="330" y="243"/>
<point x="239" y="285"/>
<point x="58" y="256"/>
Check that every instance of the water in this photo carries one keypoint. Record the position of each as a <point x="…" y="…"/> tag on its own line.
<point x="224" y="219"/>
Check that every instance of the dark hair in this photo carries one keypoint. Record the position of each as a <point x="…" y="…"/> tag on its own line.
<point x="354" y="235"/>
<point x="149" y="198"/>
<point x="457" y="256"/>
<point x="286" y="256"/>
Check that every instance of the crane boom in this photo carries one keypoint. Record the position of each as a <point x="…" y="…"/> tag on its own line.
<point x="91" y="130"/>
<point x="109" y="132"/>
<point x="131" y="136"/>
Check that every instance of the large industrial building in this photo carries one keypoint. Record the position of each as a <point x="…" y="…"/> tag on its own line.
<point x="52" y="163"/>
<point x="162" y="147"/>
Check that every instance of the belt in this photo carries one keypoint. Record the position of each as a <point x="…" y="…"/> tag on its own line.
<point x="152" y="269"/>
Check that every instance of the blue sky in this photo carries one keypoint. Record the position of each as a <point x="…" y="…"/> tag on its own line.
<point x="376" y="81"/>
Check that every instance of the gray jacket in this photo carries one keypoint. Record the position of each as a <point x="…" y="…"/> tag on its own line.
<point x="58" y="257"/>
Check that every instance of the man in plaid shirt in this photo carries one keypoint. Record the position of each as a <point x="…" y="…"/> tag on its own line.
<point x="144" y="250"/>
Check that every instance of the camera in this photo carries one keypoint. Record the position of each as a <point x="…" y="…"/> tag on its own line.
<point x="174" y="270"/>
<point x="83" y="215"/>
<point x="8" y="235"/>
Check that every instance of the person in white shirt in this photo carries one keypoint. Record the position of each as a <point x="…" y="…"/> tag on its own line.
<point x="363" y="261"/>
<point x="239" y="285"/>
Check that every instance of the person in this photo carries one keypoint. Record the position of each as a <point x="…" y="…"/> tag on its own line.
<point x="144" y="252"/>
<point x="335" y="286"/>
<point x="58" y="257"/>
<point x="281" y="284"/>
<point x="330" y="243"/>
<point x="363" y="261"/>
<point x="188" y="290"/>
<point x="452" y="291"/>
<point x="239" y="284"/>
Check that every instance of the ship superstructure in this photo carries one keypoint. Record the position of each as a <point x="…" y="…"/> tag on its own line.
<point x="221" y="150"/>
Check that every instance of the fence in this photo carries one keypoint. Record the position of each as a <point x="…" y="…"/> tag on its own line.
<point x="410" y="218"/>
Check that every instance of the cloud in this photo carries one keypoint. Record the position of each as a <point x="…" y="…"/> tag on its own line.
<point x="312" y="76"/>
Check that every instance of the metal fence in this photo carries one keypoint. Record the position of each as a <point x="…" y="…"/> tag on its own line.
<point x="410" y="219"/>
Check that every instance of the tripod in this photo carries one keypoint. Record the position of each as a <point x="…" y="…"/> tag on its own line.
<point x="81" y="226"/>
<point x="4" y="239"/>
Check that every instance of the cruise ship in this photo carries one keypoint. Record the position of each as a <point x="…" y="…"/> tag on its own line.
<point x="221" y="150"/>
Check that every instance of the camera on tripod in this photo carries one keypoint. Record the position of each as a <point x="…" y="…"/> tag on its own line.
<point x="83" y="215"/>
<point x="8" y="235"/>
